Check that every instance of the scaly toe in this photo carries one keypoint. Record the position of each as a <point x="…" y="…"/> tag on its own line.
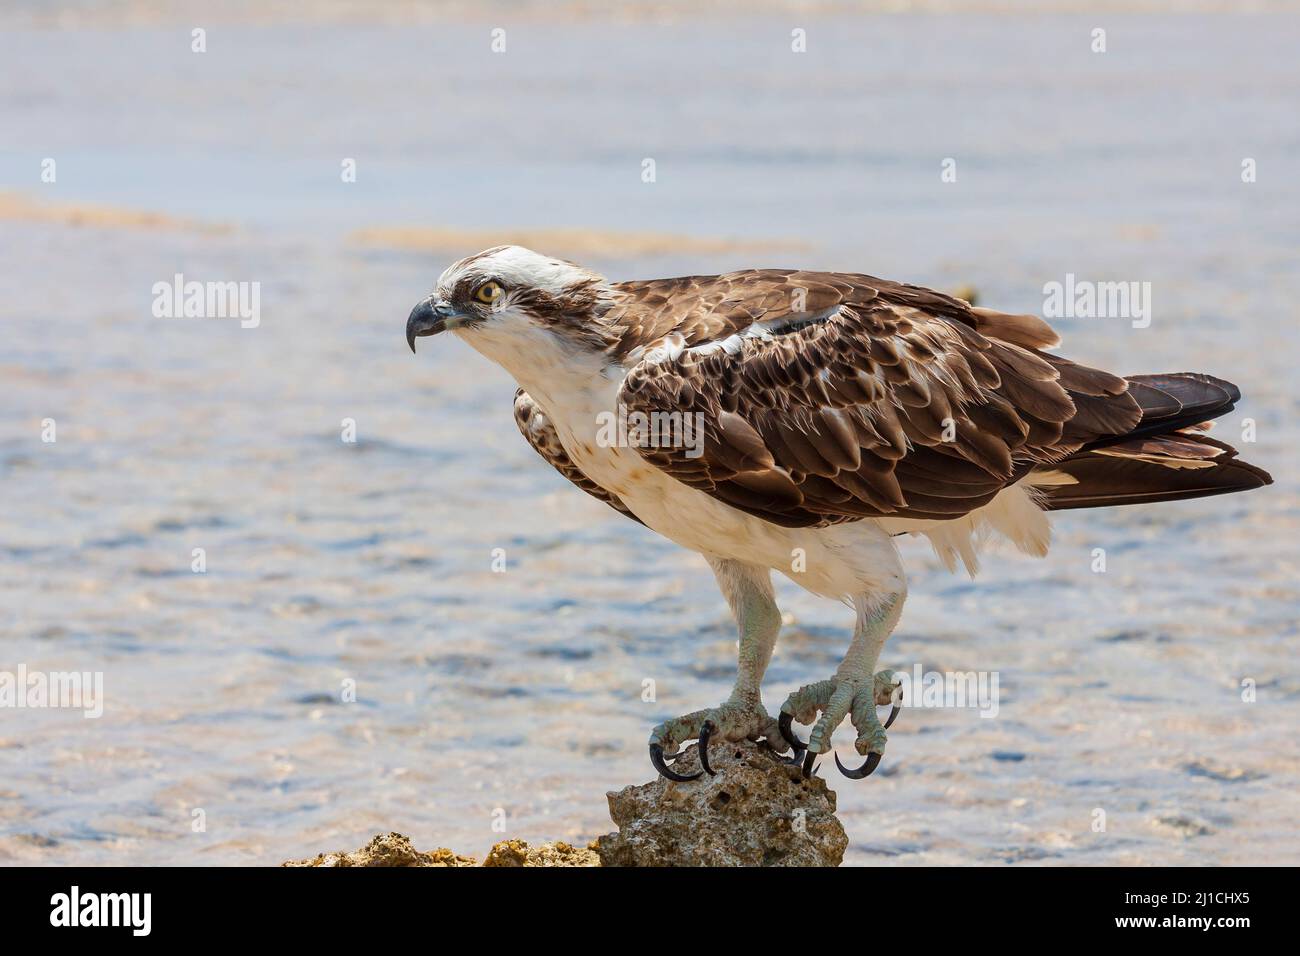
<point x="828" y="703"/>
<point x="888" y="688"/>
<point x="871" y="735"/>
<point x="804" y="705"/>
<point x="728" y="722"/>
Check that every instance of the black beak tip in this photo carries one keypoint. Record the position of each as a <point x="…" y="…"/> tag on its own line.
<point x="425" y="319"/>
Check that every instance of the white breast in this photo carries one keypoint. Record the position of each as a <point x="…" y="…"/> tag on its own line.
<point x="834" y="561"/>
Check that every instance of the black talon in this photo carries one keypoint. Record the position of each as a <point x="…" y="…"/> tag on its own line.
<point x="703" y="746"/>
<point x="797" y="745"/>
<point x="657" y="758"/>
<point x="873" y="761"/>
<point x="808" y="759"/>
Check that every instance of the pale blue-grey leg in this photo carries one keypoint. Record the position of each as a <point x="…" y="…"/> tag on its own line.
<point x="855" y="690"/>
<point x="748" y="589"/>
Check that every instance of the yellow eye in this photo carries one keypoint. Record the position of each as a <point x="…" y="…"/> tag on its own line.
<point x="488" y="292"/>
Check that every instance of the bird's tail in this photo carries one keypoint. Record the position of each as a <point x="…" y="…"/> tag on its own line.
<point x="1165" y="457"/>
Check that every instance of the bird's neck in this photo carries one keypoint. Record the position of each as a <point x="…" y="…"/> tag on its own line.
<point x="552" y="371"/>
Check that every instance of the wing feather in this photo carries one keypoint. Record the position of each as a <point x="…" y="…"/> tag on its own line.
<point x="540" y="433"/>
<point x="829" y="397"/>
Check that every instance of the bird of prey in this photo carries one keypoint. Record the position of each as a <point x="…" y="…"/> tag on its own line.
<point x="834" y="411"/>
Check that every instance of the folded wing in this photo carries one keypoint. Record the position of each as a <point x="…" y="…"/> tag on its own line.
<point x="826" y="397"/>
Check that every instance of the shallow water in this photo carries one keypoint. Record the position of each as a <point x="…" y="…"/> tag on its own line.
<point x="484" y="696"/>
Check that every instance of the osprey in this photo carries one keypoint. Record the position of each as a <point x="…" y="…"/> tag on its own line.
<point x="828" y="413"/>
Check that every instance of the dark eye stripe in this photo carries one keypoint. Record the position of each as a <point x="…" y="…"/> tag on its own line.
<point x="468" y="287"/>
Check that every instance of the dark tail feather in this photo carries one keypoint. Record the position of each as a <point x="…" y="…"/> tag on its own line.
<point x="1173" y="401"/>
<point x="1165" y="457"/>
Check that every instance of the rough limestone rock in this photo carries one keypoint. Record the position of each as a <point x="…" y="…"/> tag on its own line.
<point x="391" y="849"/>
<point x="757" y="811"/>
<point x="519" y="853"/>
<point x="394" y="849"/>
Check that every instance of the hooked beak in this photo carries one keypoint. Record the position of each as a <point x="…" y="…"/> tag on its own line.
<point x="428" y="318"/>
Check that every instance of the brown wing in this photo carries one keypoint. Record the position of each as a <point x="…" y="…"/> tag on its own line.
<point x="537" y="428"/>
<point x="706" y="308"/>
<point x="827" y="397"/>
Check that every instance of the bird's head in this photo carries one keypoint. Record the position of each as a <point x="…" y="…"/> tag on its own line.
<point x="513" y="304"/>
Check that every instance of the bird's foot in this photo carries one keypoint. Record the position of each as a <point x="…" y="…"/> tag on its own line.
<point x="835" y="699"/>
<point x="732" y="721"/>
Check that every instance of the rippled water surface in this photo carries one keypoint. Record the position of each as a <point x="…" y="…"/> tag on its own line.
<point x="477" y="692"/>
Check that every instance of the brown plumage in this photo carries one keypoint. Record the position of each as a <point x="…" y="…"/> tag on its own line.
<point x="830" y="397"/>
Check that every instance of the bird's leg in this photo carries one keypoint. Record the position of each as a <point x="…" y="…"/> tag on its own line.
<point x="748" y="589"/>
<point x="854" y="691"/>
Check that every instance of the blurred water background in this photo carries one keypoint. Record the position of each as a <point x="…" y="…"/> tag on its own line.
<point x="519" y="694"/>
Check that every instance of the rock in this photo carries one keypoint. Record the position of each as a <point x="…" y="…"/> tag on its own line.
<point x="394" y="849"/>
<point x="757" y="811"/>
<point x="519" y="853"/>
